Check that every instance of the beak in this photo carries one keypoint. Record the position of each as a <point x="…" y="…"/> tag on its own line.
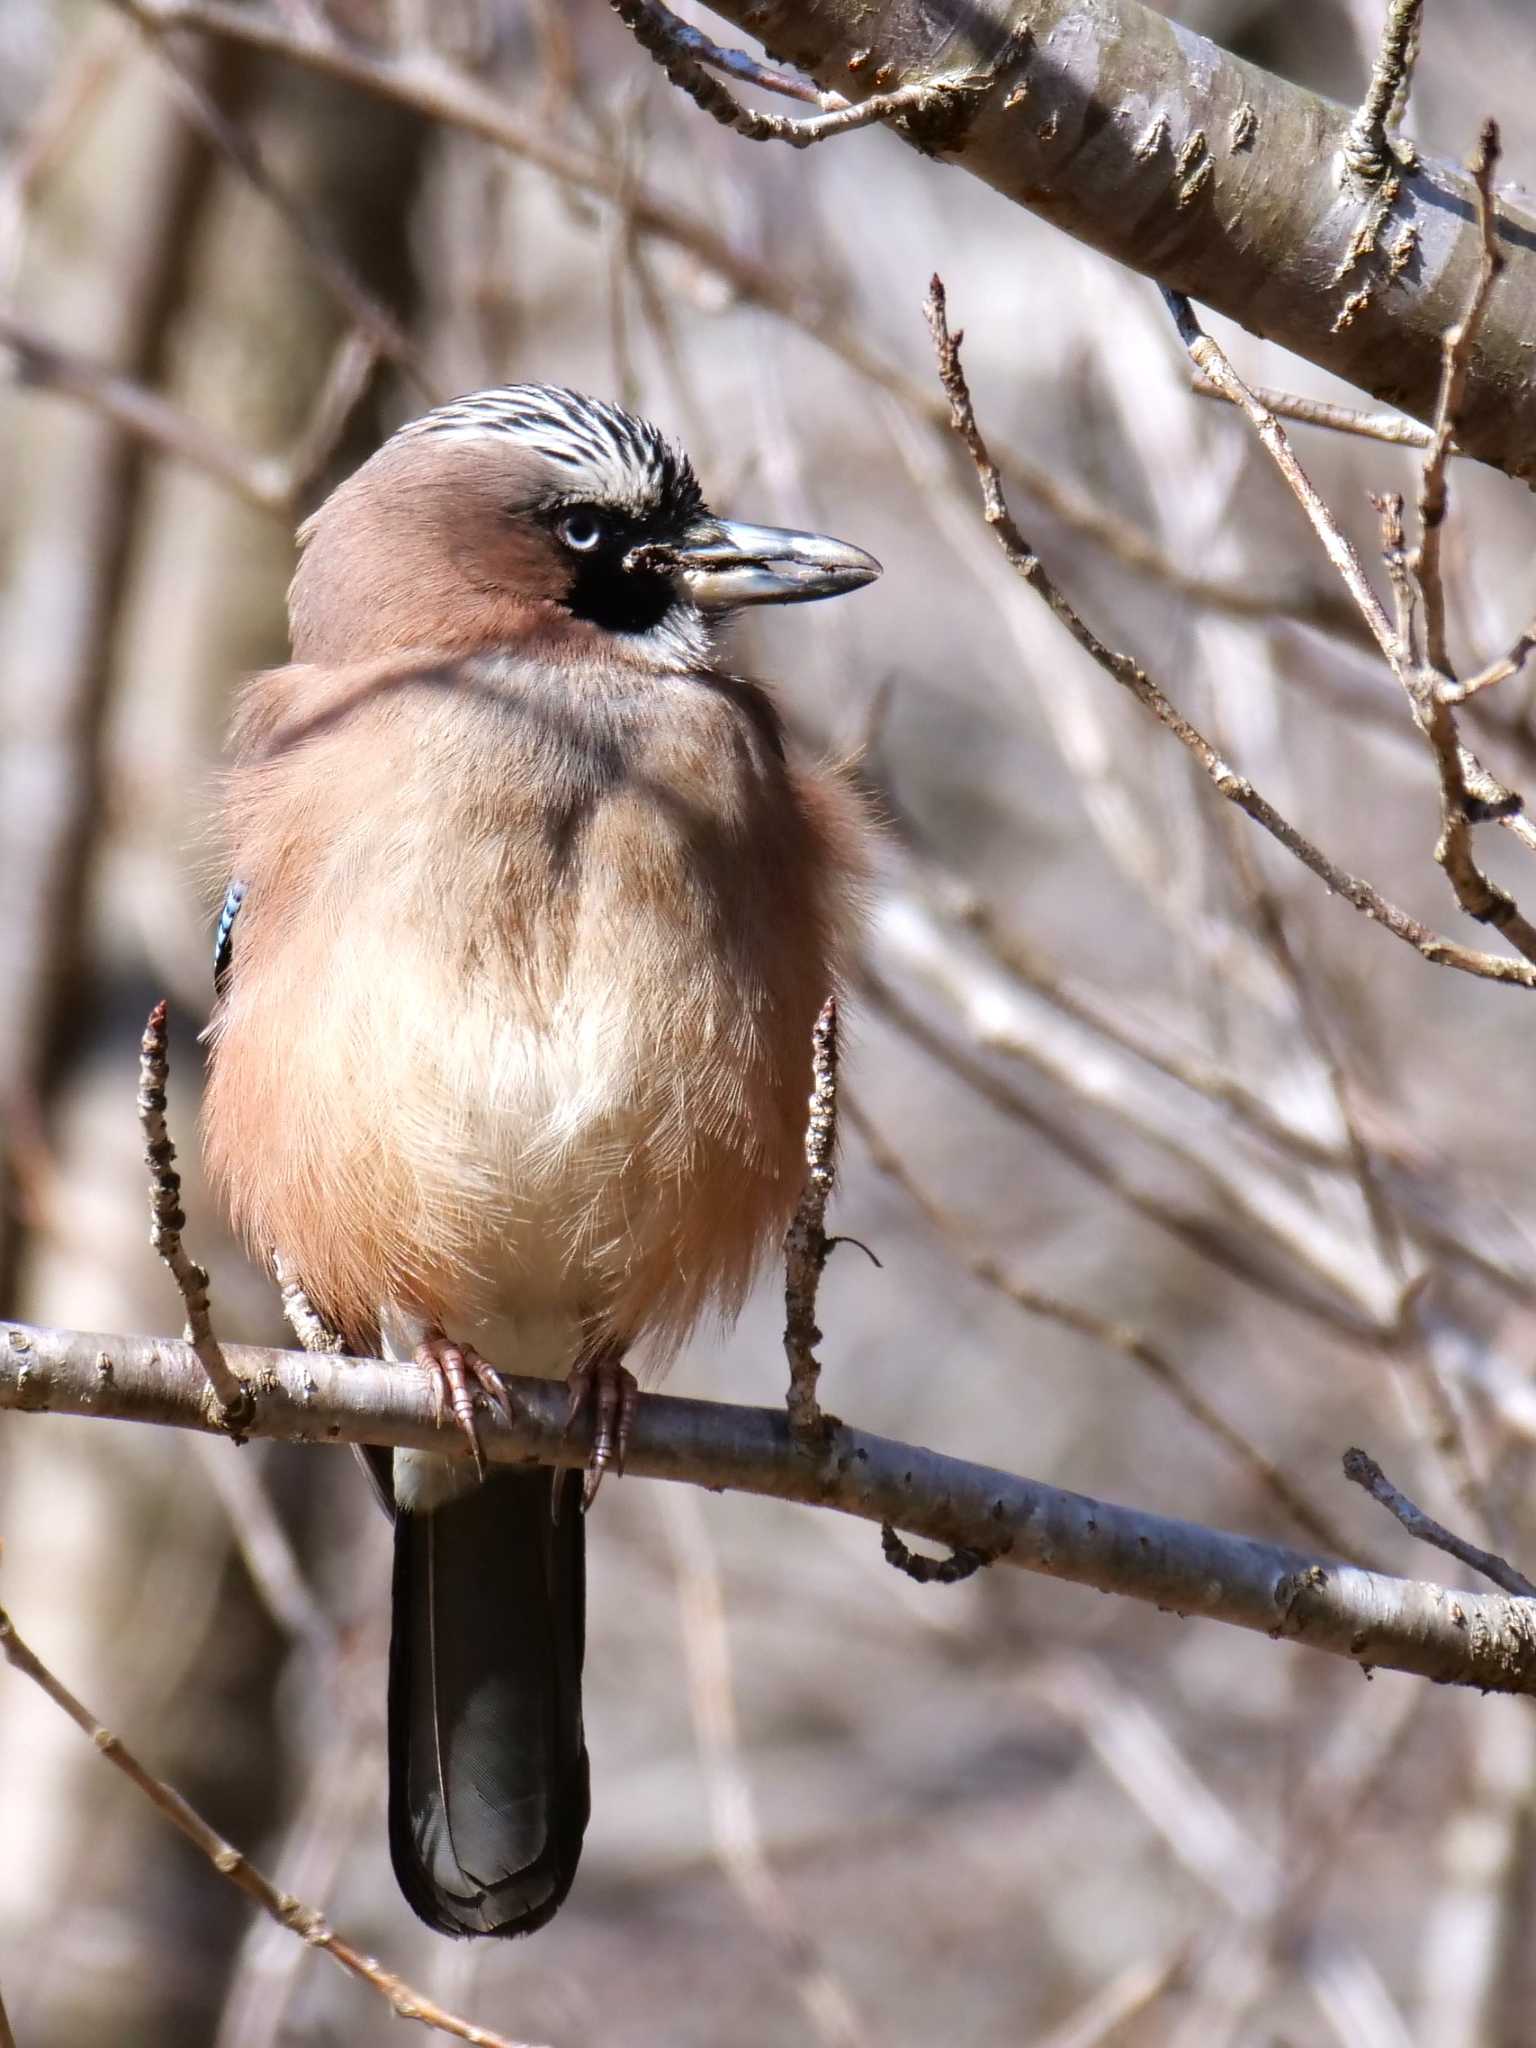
<point x="722" y="564"/>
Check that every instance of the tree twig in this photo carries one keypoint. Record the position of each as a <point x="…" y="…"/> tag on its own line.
<point x="1452" y="692"/>
<point x="1368" y="151"/>
<point x="1455" y="364"/>
<point x="1365" y="1472"/>
<point x="675" y="47"/>
<point x="304" y="1921"/>
<point x="167" y="1220"/>
<point x="737" y="64"/>
<point x="805" y="1245"/>
<point x="1392" y="427"/>
<point x="1464" y="782"/>
<point x="1485" y="1640"/>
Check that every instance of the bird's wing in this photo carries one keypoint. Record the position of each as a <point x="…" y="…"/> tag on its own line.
<point x="224" y="938"/>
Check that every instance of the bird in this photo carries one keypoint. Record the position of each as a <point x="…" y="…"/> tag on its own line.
<point x="534" y="909"/>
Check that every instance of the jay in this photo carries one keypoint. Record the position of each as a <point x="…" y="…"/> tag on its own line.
<point x="533" y="914"/>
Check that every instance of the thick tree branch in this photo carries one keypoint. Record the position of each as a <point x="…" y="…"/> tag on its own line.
<point x="1487" y="1640"/>
<point x="1213" y="176"/>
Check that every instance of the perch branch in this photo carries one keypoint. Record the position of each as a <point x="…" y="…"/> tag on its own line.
<point x="1485" y="1640"/>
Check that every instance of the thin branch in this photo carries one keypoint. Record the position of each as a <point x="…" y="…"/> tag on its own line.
<point x="1364" y="1471"/>
<point x="1455" y="363"/>
<point x="1440" y="951"/>
<point x="805" y="1245"/>
<point x="656" y="29"/>
<point x="1486" y="1640"/>
<point x="737" y="64"/>
<point x="167" y="1221"/>
<point x="304" y="1921"/>
<point x="350" y="371"/>
<point x="1499" y="671"/>
<point x="1463" y="781"/>
<point x="1211" y="360"/>
<point x="270" y="483"/>
<point x="1392" y="427"/>
<point x="1368" y="152"/>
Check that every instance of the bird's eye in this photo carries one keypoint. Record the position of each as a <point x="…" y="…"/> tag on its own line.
<point x="582" y="529"/>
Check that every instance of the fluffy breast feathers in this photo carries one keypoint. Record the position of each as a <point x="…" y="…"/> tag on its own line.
<point x="518" y="1020"/>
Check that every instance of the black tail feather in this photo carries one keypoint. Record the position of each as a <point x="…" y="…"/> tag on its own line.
<point x="488" y="1781"/>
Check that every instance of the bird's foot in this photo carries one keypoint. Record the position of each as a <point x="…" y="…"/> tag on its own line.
<point x="605" y="1383"/>
<point x="461" y="1374"/>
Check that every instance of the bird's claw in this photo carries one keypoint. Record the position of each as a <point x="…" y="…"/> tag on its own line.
<point x="460" y="1372"/>
<point x="606" y="1384"/>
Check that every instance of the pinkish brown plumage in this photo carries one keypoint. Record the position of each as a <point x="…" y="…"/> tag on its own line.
<point x="538" y="916"/>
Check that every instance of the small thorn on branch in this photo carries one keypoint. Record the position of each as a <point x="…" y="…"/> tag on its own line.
<point x="1363" y="1470"/>
<point x="806" y="1245"/>
<point x="167" y="1220"/>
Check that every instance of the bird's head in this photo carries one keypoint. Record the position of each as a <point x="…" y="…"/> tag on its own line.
<point x="528" y="512"/>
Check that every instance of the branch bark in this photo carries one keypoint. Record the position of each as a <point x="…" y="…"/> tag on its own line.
<point x="1205" y="172"/>
<point x="1487" y="1640"/>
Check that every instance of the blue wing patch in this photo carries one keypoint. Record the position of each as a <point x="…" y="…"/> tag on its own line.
<point x="224" y="940"/>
